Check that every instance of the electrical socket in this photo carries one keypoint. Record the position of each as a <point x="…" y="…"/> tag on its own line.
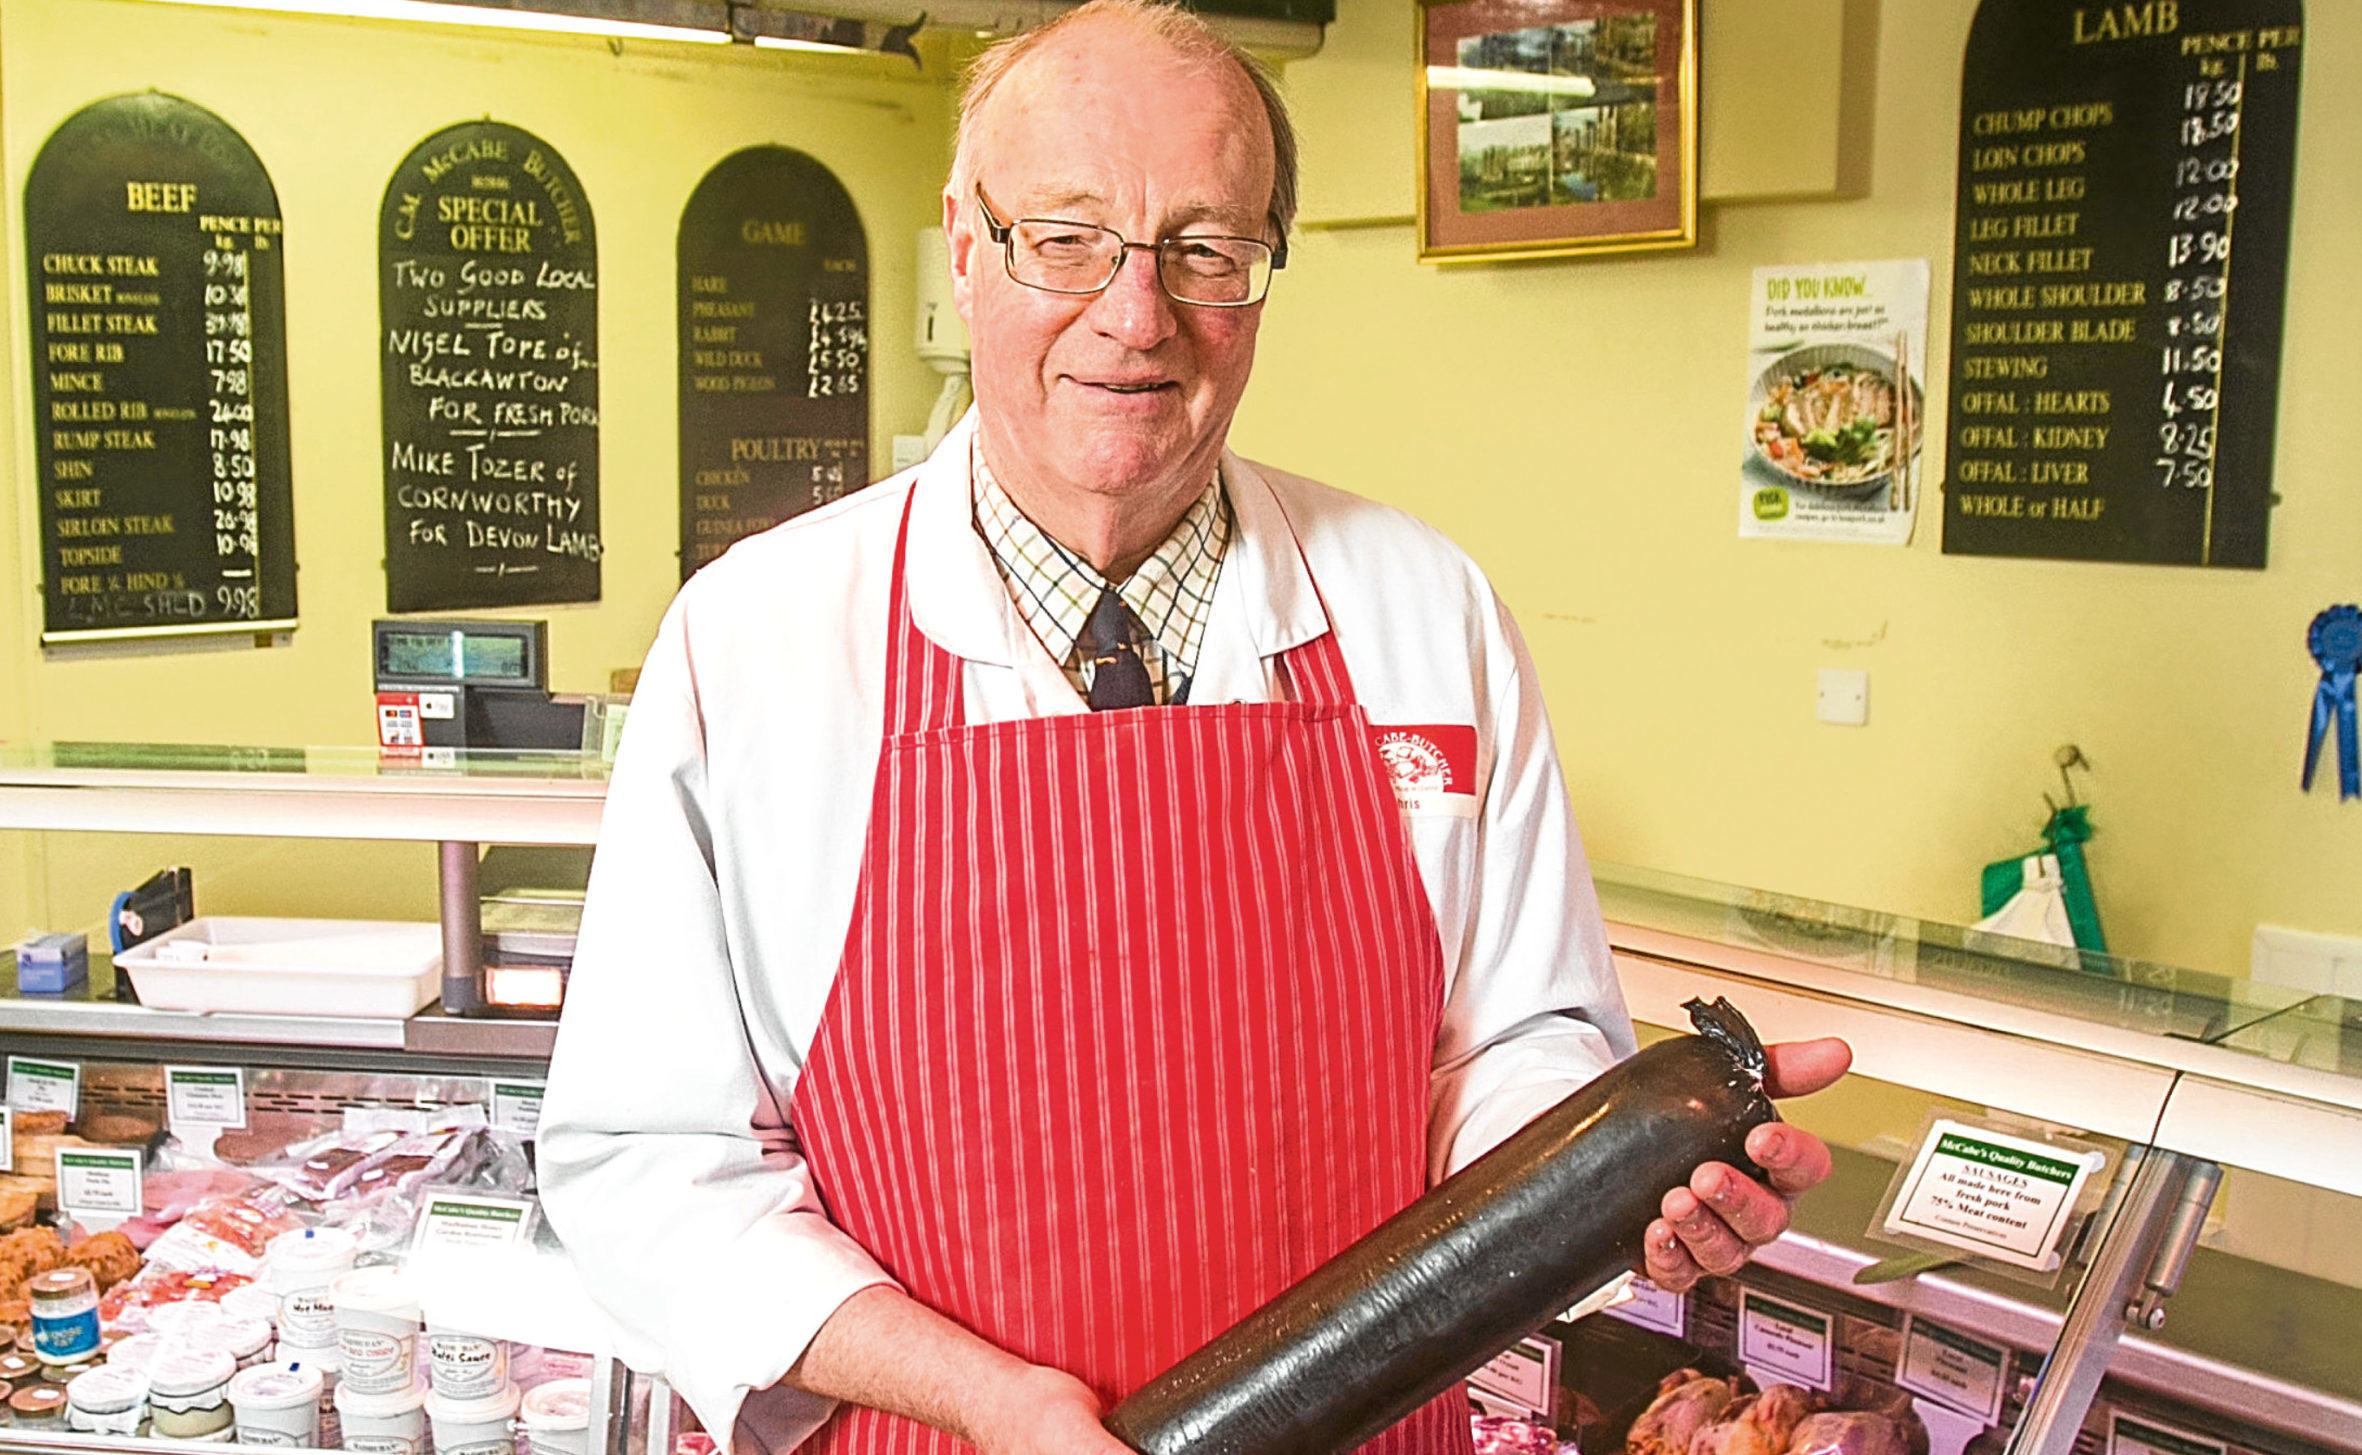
<point x="1844" y="697"/>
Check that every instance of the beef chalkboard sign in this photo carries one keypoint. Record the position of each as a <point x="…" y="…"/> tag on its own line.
<point x="488" y="290"/>
<point x="159" y="353"/>
<point x="774" y="299"/>
<point x="2119" y="267"/>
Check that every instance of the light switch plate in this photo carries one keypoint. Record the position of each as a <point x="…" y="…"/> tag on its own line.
<point x="1844" y="697"/>
<point x="2302" y="960"/>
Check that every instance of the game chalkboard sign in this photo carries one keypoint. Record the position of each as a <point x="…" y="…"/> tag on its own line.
<point x="2119" y="268"/>
<point x="488" y="291"/>
<point x="159" y="353"/>
<point x="774" y="299"/>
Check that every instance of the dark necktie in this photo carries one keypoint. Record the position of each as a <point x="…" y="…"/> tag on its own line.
<point x="1112" y="639"/>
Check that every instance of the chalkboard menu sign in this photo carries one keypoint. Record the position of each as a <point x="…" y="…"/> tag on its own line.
<point x="2119" y="267"/>
<point x="774" y="298"/>
<point x="488" y="290"/>
<point x="159" y="353"/>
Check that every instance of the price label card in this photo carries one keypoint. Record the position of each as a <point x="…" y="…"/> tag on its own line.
<point x="1952" y="1368"/>
<point x="470" y="1221"/>
<point x="2129" y="1436"/>
<point x="44" y="1085"/>
<point x="100" y="1182"/>
<point x="1988" y="1192"/>
<point x="1522" y="1375"/>
<point x="1653" y="1308"/>
<point x="1788" y="1341"/>
<point x="516" y="1106"/>
<point x="204" y="1096"/>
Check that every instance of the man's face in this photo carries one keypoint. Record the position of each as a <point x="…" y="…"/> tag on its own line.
<point x="1124" y="392"/>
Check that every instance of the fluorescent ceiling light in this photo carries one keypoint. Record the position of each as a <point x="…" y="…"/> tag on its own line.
<point x="1469" y="78"/>
<point x="497" y="17"/>
<point x="784" y="43"/>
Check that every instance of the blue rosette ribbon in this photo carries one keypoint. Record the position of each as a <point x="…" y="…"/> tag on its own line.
<point x="2335" y="640"/>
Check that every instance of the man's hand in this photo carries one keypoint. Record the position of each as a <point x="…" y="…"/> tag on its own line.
<point x="1715" y="1224"/>
<point x="1040" y="1411"/>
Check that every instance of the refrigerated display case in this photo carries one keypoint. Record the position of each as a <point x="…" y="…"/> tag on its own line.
<point x="2244" y="1293"/>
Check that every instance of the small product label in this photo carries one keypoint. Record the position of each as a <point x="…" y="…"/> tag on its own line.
<point x="456" y="1220"/>
<point x="1653" y="1308"/>
<point x="1952" y="1368"/>
<point x="381" y="1445"/>
<point x="480" y="1447"/>
<point x="1988" y="1192"/>
<point x="99" y="1181"/>
<point x="466" y="1367"/>
<point x="45" y="1085"/>
<point x="264" y="1435"/>
<point x="374" y="1362"/>
<point x="308" y="1318"/>
<point x="1789" y="1341"/>
<point x="66" y="1340"/>
<point x="1522" y="1375"/>
<point x="2128" y="1436"/>
<point x="516" y="1106"/>
<point x="204" y="1096"/>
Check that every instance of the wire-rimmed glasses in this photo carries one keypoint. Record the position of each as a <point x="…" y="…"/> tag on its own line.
<point x="1060" y="256"/>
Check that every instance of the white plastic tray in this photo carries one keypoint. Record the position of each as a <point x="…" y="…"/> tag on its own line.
<point x="338" y="967"/>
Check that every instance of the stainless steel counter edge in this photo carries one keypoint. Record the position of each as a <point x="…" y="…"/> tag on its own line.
<point x="2240" y="1393"/>
<point x="436" y="1035"/>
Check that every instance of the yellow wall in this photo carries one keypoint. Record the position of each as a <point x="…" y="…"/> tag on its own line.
<point x="331" y="107"/>
<point x="1576" y="425"/>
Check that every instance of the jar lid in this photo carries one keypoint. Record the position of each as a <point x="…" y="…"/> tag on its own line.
<point x="377" y="1289"/>
<point x="107" y="1390"/>
<point x="482" y="1411"/>
<point x="350" y="1401"/>
<point x="59" y="1283"/>
<point x="310" y="1249"/>
<point x="561" y="1404"/>
<point x="184" y="1372"/>
<point x="38" y="1399"/>
<point x="251" y="1301"/>
<point x="276" y="1387"/>
<point x="14" y="1367"/>
<point x="137" y="1351"/>
<point x="242" y="1339"/>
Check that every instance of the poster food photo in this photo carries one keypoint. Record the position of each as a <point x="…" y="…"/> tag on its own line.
<point x="1836" y="364"/>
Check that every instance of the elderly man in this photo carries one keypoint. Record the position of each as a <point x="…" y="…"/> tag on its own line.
<point x="1051" y="901"/>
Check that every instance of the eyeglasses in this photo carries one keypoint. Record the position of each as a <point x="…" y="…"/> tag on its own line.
<point x="1057" y="256"/>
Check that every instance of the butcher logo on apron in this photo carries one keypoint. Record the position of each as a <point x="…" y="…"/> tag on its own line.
<point x="1432" y="767"/>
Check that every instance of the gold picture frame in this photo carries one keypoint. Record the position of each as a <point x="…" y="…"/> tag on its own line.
<point x="1572" y="156"/>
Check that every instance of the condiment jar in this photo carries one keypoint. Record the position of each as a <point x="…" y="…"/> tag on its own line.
<point x="109" y="1400"/>
<point x="474" y="1426"/>
<point x="301" y="1266"/>
<point x="461" y="1365"/>
<point x="17" y="1368"/>
<point x="252" y="1301"/>
<point x="65" y="1315"/>
<point x="277" y="1404"/>
<point x="38" y="1405"/>
<point x="383" y="1424"/>
<point x="138" y="1351"/>
<point x="376" y="1330"/>
<point x="246" y="1340"/>
<point x="188" y="1393"/>
<point x="556" y="1417"/>
<point x="181" y="1320"/>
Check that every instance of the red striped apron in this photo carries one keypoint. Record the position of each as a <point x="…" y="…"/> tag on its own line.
<point x="1133" y="1024"/>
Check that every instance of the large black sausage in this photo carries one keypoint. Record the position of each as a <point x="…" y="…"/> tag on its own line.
<point x="1485" y="1258"/>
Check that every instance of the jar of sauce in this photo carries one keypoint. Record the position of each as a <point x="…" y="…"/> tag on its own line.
<point x="65" y="1315"/>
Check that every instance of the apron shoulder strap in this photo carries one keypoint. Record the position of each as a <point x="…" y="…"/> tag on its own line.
<point x="922" y="679"/>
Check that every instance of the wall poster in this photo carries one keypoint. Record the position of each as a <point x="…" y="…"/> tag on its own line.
<point x="774" y="348"/>
<point x="1837" y="356"/>
<point x="2120" y="261"/>
<point x="159" y="357"/>
<point x="488" y="293"/>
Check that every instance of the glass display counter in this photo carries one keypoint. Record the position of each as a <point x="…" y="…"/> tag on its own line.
<point x="2208" y="1302"/>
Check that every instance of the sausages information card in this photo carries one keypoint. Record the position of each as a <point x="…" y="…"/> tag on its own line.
<point x="1986" y="1191"/>
<point x="159" y="361"/>
<point x="2119" y="266"/>
<point x="488" y="288"/>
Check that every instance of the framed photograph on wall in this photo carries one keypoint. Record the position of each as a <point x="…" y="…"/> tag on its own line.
<point x="1555" y="127"/>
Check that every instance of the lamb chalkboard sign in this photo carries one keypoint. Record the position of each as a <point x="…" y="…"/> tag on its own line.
<point x="159" y="353"/>
<point x="488" y="293"/>
<point x="774" y="348"/>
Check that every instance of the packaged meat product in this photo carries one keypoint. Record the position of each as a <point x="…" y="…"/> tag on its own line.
<point x="1502" y="1435"/>
<point x="1847" y="1432"/>
<point x="1687" y="1402"/>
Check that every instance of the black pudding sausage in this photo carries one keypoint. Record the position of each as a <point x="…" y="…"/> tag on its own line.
<point x="1486" y="1257"/>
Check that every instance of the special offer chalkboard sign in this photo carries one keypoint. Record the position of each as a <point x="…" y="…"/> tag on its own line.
<point x="2119" y="267"/>
<point x="774" y="299"/>
<point x="488" y="291"/>
<point x="159" y="352"/>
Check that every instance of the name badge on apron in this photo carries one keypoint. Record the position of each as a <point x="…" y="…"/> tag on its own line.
<point x="1432" y="767"/>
